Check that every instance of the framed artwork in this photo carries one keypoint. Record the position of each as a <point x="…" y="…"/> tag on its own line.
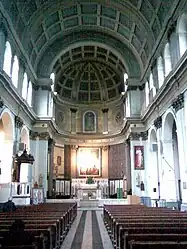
<point x="138" y="157"/>
<point x="89" y="162"/>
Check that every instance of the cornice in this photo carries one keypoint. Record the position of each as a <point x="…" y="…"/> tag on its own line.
<point x="5" y="81"/>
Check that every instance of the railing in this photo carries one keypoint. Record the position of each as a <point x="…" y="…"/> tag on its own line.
<point x="21" y="189"/>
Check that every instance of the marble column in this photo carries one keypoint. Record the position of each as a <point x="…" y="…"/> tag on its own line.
<point x="39" y="149"/>
<point x="43" y="97"/>
<point x="158" y="126"/>
<point x="181" y="173"/>
<point x="51" y="145"/>
<point x="105" y="120"/>
<point x="73" y="120"/>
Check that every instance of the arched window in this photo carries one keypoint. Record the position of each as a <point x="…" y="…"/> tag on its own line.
<point x="29" y="94"/>
<point x="89" y="122"/>
<point x="15" y="71"/>
<point x="160" y="69"/>
<point x="182" y="33"/>
<point x="167" y="59"/>
<point x="125" y="77"/>
<point x="146" y="94"/>
<point x="7" y="59"/>
<point x="151" y="84"/>
<point x="25" y="86"/>
<point x="52" y="77"/>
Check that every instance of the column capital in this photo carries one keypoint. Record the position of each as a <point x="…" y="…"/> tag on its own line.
<point x="18" y="122"/>
<point x="178" y="103"/>
<point x="105" y="110"/>
<point x="73" y="110"/>
<point x="158" y="122"/>
<point x="138" y="135"/>
<point x="39" y="135"/>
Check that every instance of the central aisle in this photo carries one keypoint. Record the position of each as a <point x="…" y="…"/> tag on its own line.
<point x="88" y="232"/>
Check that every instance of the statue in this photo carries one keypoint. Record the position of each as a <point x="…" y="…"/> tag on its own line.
<point x="40" y="180"/>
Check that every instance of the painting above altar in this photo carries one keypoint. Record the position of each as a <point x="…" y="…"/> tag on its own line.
<point x="89" y="162"/>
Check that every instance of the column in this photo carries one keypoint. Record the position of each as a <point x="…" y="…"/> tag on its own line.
<point x="2" y="46"/>
<point x="105" y="120"/>
<point x="138" y="140"/>
<point x="158" y="126"/>
<point x="134" y="100"/>
<point x="181" y="174"/>
<point x="67" y="161"/>
<point x="73" y="120"/>
<point x="51" y="145"/>
<point x="39" y="149"/>
<point x="43" y="97"/>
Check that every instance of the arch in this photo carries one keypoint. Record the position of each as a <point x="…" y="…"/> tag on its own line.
<point x="160" y="70"/>
<point x="24" y="137"/>
<point x="89" y="122"/>
<point x="7" y="58"/>
<point x="182" y="33"/>
<point x="151" y="85"/>
<point x="6" y="146"/>
<point x="52" y="77"/>
<point x="25" y="86"/>
<point x="171" y="169"/>
<point x="15" y="71"/>
<point x="46" y="63"/>
<point x="167" y="59"/>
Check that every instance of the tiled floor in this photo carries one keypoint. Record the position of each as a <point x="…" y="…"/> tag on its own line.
<point x="88" y="231"/>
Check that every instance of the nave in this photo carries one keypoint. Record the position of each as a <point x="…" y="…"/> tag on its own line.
<point x="88" y="231"/>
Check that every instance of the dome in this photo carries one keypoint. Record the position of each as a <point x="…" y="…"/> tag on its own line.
<point x="89" y="81"/>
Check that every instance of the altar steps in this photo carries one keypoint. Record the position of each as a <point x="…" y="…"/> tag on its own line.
<point x="88" y="203"/>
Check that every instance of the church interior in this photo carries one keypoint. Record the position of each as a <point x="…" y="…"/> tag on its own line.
<point x="93" y="116"/>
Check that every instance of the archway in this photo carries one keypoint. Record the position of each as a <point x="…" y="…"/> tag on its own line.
<point x="170" y="162"/>
<point x="6" y="152"/>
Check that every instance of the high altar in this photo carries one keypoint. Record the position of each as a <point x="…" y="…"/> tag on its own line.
<point x="85" y="191"/>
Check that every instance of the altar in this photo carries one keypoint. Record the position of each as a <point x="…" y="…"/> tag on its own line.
<point x="89" y="192"/>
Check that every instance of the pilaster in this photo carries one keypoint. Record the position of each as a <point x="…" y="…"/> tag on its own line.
<point x="105" y="120"/>
<point x="43" y="97"/>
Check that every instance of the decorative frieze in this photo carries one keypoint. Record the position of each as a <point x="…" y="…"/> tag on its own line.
<point x="178" y="103"/>
<point x="158" y="122"/>
<point x="18" y="122"/>
<point x="39" y="135"/>
<point x="138" y="135"/>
